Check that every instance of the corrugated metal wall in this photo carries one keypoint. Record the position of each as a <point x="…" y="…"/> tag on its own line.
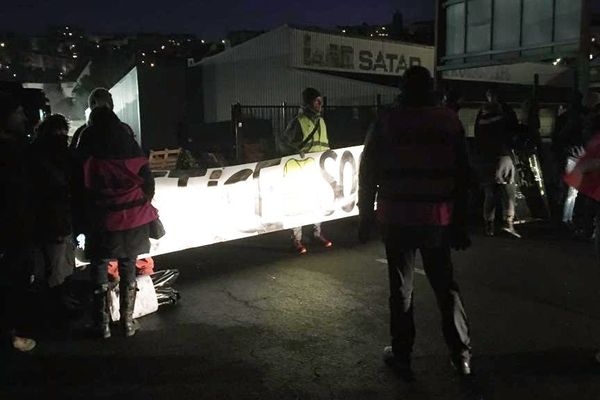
<point x="259" y="72"/>
<point x="126" y="99"/>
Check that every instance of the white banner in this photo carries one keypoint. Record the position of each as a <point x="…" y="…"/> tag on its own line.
<point x="251" y="199"/>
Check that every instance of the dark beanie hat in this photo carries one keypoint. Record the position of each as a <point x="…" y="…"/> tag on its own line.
<point x="309" y="94"/>
<point x="8" y="104"/>
<point x="417" y="79"/>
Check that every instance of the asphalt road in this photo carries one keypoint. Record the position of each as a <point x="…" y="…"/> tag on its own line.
<point x="257" y="322"/>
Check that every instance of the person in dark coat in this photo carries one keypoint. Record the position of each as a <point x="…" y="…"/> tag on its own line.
<point x="118" y="187"/>
<point x="51" y="177"/>
<point x="99" y="97"/>
<point x="415" y="163"/>
<point x="495" y="128"/>
<point x="16" y="224"/>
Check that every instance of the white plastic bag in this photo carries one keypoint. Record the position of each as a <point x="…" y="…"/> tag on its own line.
<point x="145" y="301"/>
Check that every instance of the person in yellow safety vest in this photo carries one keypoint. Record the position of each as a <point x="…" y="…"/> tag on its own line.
<point x="307" y="133"/>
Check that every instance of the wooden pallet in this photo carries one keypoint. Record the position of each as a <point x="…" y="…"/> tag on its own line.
<point x="164" y="160"/>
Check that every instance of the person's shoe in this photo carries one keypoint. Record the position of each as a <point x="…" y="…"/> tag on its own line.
<point x="509" y="228"/>
<point x="23" y="344"/>
<point x="489" y="228"/>
<point x="399" y="363"/>
<point x="322" y="240"/>
<point x="298" y="247"/>
<point x="461" y="363"/>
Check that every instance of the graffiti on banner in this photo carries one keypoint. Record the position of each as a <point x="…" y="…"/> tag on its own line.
<point x="245" y="200"/>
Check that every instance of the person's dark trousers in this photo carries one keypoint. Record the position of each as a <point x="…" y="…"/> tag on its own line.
<point x="99" y="270"/>
<point x="16" y="265"/>
<point x="439" y="270"/>
<point x="101" y="309"/>
<point x="597" y="232"/>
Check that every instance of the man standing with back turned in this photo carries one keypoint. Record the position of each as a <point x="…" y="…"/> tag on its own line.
<point x="415" y="161"/>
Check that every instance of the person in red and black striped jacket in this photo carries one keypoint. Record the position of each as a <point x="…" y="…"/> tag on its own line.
<point x="415" y="163"/>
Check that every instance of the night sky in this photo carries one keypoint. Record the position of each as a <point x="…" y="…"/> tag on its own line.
<point x="209" y="19"/>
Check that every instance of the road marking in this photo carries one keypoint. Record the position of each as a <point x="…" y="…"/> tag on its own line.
<point x="384" y="261"/>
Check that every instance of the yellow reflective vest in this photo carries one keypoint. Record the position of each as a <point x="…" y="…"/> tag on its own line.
<point x="319" y="141"/>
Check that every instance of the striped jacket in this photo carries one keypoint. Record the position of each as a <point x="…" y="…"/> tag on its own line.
<point x="415" y="163"/>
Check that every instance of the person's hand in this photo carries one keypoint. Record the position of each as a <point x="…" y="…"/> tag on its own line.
<point x="365" y="227"/>
<point x="459" y="238"/>
<point x="505" y="170"/>
<point x="576" y="151"/>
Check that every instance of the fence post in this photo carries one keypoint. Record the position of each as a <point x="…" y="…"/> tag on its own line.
<point x="236" y="116"/>
<point x="283" y="123"/>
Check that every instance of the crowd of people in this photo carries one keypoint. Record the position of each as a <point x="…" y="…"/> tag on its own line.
<point x="99" y="185"/>
<point x="415" y="167"/>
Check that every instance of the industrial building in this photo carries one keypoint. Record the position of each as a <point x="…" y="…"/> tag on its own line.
<point x="191" y="106"/>
<point x="276" y="66"/>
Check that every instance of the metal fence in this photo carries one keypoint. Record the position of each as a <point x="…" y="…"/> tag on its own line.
<point x="256" y="128"/>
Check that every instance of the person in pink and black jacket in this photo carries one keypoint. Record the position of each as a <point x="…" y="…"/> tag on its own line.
<point x="117" y="188"/>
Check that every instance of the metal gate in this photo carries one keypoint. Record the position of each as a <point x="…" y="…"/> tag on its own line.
<point x="256" y="127"/>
